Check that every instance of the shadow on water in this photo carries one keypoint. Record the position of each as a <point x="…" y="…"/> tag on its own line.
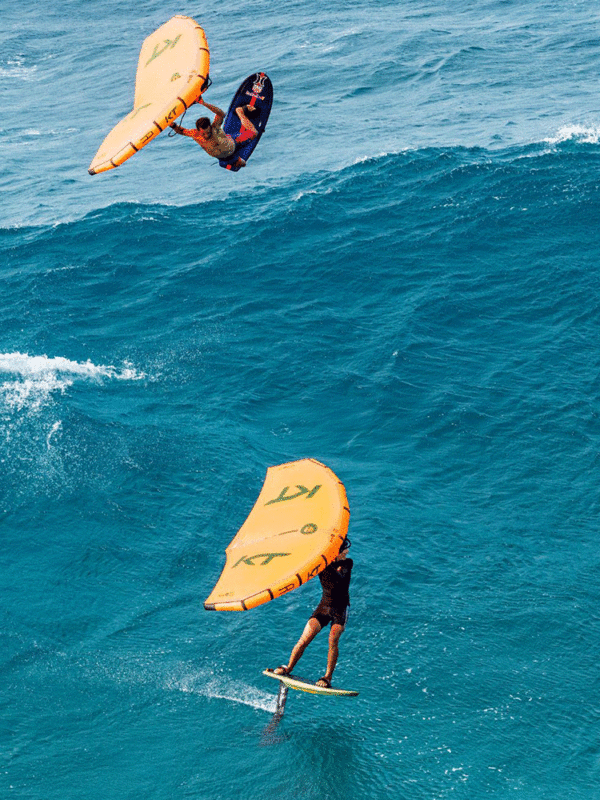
<point x="327" y="762"/>
<point x="270" y="735"/>
<point x="324" y="756"/>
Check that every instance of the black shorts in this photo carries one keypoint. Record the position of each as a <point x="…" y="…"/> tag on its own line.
<point x="325" y="614"/>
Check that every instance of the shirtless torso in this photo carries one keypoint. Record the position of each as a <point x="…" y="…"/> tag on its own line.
<point x="216" y="143"/>
<point x="212" y="138"/>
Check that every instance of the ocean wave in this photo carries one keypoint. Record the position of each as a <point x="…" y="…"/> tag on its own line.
<point x="584" y="134"/>
<point x="356" y="188"/>
<point x="36" y="379"/>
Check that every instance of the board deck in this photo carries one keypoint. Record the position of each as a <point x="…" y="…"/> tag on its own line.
<point x="304" y="685"/>
<point x="256" y="91"/>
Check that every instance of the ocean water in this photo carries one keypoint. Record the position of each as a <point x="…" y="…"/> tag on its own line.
<point x="403" y="284"/>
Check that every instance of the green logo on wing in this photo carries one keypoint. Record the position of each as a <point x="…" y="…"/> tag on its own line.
<point x="302" y="490"/>
<point x="168" y="43"/>
<point x="267" y="558"/>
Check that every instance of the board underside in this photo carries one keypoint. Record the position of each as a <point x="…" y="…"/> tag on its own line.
<point x="256" y="91"/>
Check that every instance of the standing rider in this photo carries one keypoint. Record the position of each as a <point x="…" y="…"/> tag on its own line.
<point x="333" y="608"/>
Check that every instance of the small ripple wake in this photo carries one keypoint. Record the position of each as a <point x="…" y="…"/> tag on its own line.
<point x="221" y="688"/>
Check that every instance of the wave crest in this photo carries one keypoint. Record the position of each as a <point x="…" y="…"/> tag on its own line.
<point x="36" y="378"/>
<point x="585" y="134"/>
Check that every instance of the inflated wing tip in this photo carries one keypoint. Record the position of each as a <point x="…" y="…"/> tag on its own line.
<point x="92" y="171"/>
<point x="235" y="605"/>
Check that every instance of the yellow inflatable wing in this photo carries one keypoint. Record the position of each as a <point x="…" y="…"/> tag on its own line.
<point x="293" y="532"/>
<point x="172" y="73"/>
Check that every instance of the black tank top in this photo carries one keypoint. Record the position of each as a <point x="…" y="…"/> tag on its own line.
<point x="335" y="580"/>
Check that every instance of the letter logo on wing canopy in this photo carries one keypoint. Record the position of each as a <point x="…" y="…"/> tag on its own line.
<point x="301" y="490"/>
<point x="267" y="558"/>
<point x="168" y="43"/>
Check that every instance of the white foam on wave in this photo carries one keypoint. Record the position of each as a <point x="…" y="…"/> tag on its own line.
<point x="53" y="430"/>
<point x="16" y="69"/>
<point x="586" y="134"/>
<point x="377" y="156"/>
<point x="35" y="379"/>
<point x="300" y="195"/>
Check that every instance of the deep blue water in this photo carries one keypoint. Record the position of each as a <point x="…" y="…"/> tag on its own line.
<point x="403" y="284"/>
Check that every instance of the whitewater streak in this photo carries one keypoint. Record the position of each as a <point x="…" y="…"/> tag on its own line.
<point x="38" y="377"/>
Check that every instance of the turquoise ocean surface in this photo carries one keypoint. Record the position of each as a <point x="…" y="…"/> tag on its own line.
<point x="403" y="284"/>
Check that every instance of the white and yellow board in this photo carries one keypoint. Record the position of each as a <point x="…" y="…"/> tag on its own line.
<point x="304" y="685"/>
